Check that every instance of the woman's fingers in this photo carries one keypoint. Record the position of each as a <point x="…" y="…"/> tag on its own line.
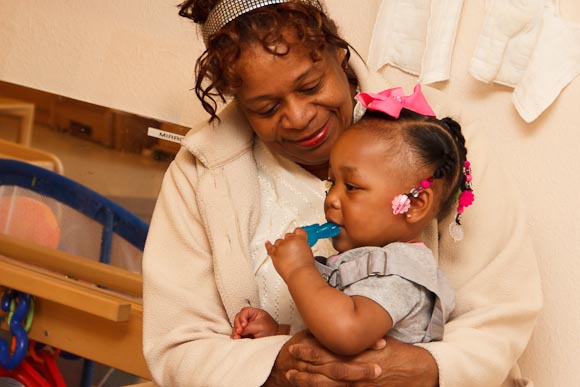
<point x="304" y="379"/>
<point x="301" y="379"/>
<point x="342" y="371"/>
<point x="310" y="351"/>
<point x="317" y="360"/>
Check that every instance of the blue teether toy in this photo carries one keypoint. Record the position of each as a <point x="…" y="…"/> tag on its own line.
<point x="317" y="231"/>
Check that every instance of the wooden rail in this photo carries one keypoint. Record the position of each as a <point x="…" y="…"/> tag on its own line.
<point x="81" y="306"/>
<point x="108" y="276"/>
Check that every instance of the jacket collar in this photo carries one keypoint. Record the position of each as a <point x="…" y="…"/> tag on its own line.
<point x="216" y="144"/>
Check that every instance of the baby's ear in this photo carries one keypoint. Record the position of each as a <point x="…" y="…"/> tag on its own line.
<point x="421" y="206"/>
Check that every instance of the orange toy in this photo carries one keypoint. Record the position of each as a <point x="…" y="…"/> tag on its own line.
<point x="29" y="219"/>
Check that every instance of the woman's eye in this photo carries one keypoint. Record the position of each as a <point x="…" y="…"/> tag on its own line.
<point x="267" y="112"/>
<point x="311" y="89"/>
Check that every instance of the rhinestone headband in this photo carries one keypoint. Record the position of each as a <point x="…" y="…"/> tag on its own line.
<point x="227" y="10"/>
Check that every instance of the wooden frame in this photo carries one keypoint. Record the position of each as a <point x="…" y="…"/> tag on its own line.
<point x="83" y="307"/>
<point x="24" y="110"/>
<point x="14" y="151"/>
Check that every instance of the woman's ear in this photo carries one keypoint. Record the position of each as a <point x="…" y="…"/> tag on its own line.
<point x="421" y="206"/>
<point x="340" y="56"/>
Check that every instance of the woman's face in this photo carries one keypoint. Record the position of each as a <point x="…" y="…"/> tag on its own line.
<point x="295" y="105"/>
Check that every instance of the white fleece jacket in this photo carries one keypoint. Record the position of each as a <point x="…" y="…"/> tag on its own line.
<point x="197" y="270"/>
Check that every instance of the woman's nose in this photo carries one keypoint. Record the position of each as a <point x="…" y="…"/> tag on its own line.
<point x="298" y="113"/>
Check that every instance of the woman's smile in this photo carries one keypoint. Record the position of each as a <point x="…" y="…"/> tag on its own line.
<point x="315" y="139"/>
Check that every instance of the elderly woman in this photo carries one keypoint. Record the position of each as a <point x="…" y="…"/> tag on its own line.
<point x="256" y="171"/>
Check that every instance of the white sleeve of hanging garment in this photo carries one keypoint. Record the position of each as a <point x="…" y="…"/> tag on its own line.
<point x="440" y="40"/>
<point x="554" y="64"/>
<point x="416" y="36"/>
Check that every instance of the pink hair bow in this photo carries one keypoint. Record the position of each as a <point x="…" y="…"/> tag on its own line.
<point x="392" y="101"/>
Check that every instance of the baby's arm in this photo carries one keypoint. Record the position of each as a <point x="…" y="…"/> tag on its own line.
<point x="345" y="325"/>
<point x="254" y="322"/>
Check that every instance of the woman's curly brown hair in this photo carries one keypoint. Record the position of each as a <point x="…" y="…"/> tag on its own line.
<point x="215" y="73"/>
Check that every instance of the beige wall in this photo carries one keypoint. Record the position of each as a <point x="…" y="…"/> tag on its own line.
<point x="543" y="159"/>
<point x="133" y="55"/>
<point x="137" y="56"/>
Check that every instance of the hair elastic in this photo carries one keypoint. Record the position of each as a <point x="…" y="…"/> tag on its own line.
<point x="464" y="199"/>
<point x="227" y="10"/>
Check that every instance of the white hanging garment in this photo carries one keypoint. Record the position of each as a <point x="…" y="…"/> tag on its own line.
<point x="554" y="64"/>
<point x="527" y="45"/>
<point x="416" y="36"/>
<point x="507" y="40"/>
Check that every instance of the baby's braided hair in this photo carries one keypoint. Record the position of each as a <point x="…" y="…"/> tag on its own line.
<point x="435" y="144"/>
<point x="438" y="143"/>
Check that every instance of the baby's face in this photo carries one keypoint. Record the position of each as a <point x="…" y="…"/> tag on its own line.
<point x="363" y="185"/>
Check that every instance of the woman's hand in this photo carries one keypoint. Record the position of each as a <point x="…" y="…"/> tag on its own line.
<point x="391" y="363"/>
<point x="316" y="366"/>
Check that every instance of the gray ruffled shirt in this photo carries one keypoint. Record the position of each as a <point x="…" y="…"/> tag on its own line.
<point x="403" y="278"/>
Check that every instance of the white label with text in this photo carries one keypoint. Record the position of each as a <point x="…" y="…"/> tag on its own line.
<point x="152" y="132"/>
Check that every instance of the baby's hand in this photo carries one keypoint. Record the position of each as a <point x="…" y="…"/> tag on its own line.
<point x="254" y="323"/>
<point x="291" y="253"/>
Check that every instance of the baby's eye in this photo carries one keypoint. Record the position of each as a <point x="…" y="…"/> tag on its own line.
<point x="350" y="187"/>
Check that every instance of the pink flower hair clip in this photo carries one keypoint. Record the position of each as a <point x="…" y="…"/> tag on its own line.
<point x="402" y="203"/>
